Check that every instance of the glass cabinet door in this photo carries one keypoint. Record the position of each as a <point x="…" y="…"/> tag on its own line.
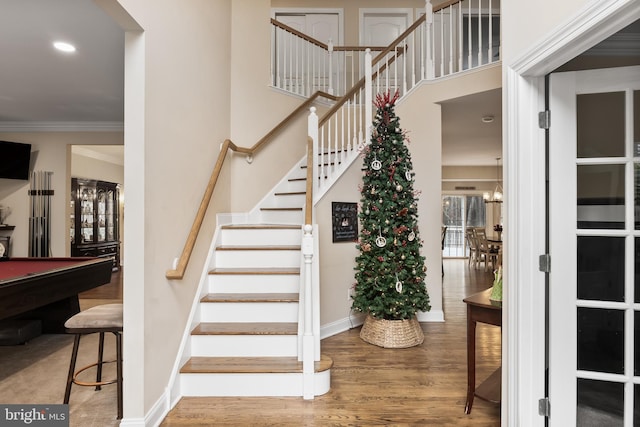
<point x="109" y="215"/>
<point x="87" y="197"/>
<point x="72" y="219"/>
<point x="102" y="221"/>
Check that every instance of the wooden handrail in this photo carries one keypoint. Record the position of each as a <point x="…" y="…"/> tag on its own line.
<point x="320" y="44"/>
<point x="299" y="34"/>
<point x="183" y="261"/>
<point x="308" y="214"/>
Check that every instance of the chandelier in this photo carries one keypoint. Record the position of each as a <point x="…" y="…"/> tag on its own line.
<point x="496" y="195"/>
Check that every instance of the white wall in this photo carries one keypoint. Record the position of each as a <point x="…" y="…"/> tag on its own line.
<point x="52" y="155"/>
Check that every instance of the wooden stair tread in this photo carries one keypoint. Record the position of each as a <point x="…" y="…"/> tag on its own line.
<point x="237" y="297"/>
<point x="248" y="328"/>
<point x="261" y="227"/>
<point x="256" y="271"/>
<point x="250" y="365"/>
<point x="281" y="209"/>
<point x="259" y="248"/>
<point x="297" y="179"/>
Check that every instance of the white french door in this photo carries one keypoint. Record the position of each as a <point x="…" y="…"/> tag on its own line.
<point x="594" y="243"/>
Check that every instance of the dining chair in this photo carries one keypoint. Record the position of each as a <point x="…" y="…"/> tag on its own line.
<point x="473" y="247"/>
<point x="486" y="253"/>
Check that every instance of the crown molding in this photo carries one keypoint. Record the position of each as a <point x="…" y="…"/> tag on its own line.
<point x="20" y="126"/>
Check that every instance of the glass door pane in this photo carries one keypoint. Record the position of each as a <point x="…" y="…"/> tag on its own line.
<point x="460" y="212"/>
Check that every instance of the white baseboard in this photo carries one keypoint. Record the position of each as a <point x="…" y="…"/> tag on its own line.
<point x="431" y="316"/>
<point x="357" y="319"/>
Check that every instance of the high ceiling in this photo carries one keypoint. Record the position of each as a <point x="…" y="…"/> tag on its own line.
<point x="43" y="89"/>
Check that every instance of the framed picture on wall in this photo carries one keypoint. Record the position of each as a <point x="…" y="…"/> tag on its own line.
<point x="344" y="221"/>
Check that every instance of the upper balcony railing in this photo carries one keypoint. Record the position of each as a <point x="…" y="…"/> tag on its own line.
<point x="452" y="37"/>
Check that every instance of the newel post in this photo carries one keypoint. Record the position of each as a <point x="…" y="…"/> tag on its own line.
<point x="428" y="29"/>
<point x="308" y="340"/>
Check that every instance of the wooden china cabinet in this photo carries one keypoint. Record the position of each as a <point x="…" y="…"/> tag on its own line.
<point x="94" y="219"/>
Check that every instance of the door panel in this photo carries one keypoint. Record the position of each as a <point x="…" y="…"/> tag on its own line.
<point x="593" y="184"/>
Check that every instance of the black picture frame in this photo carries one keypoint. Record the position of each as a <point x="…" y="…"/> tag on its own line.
<point x="344" y="219"/>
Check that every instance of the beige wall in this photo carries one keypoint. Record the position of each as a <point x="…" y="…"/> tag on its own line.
<point x="177" y="115"/>
<point x="52" y="155"/>
<point x="525" y="24"/>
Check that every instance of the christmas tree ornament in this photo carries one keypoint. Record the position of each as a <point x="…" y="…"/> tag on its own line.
<point x="398" y="285"/>
<point x="398" y="188"/>
<point x="376" y="165"/>
<point x="411" y="237"/>
<point x="407" y="175"/>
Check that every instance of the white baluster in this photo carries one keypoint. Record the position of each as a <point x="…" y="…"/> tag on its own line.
<point x="312" y="131"/>
<point x="490" y="50"/>
<point x="330" y="52"/>
<point x="342" y="131"/>
<point x="450" y="8"/>
<point x="479" y="33"/>
<point x="441" y="21"/>
<point x="368" y="96"/>
<point x="470" y="53"/>
<point x="460" y="37"/>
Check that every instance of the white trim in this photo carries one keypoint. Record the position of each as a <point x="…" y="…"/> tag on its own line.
<point x="524" y="198"/>
<point x="598" y="20"/>
<point x="61" y="126"/>
<point x="357" y="319"/>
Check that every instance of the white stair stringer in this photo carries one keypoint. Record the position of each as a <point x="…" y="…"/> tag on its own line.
<point x="247" y="341"/>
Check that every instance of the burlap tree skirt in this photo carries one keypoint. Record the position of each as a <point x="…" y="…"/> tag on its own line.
<point x="392" y="333"/>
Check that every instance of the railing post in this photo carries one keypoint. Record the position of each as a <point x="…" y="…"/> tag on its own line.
<point x="368" y="96"/>
<point x="428" y="28"/>
<point x="312" y="132"/>
<point x="308" y="341"/>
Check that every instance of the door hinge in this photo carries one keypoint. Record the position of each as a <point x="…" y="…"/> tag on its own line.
<point x="544" y="407"/>
<point x="544" y="263"/>
<point x="544" y="119"/>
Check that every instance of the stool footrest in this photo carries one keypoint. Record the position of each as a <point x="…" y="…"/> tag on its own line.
<point x="92" y="383"/>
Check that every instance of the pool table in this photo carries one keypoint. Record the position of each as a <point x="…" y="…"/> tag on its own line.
<point x="48" y="288"/>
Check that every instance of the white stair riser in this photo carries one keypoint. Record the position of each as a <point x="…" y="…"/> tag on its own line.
<point x="293" y="186"/>
<point x="246" y="236"/>
<point x="244" y="345"/>
<point x="282" y="217"/>
<point x="268" y="384"/>
<point x="254" y="283"/>
<point x="287" y="201"/>
<point x="249" y="312"/>
<point x="257" y="259"/>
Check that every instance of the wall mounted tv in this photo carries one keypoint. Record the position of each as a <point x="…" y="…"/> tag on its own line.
<point x="14" y="160"/>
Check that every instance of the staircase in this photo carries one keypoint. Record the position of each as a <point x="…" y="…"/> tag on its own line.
<point x="248" y="339"/>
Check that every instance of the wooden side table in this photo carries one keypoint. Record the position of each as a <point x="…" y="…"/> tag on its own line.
<point x="481" y="309"/>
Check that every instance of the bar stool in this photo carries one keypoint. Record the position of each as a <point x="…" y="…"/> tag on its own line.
<point x="99" y="319"/>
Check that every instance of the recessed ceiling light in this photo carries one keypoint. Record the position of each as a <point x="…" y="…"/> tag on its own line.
<point x="487" y="119"/>
<point x="64" y="47"/>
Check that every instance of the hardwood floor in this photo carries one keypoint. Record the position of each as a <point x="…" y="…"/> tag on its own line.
<point x="372" y="386"/>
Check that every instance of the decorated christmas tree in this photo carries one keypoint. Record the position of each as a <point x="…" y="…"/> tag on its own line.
<point x="390" y="271"/>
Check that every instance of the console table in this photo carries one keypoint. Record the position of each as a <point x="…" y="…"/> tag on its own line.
<point x="481" y="309"/>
